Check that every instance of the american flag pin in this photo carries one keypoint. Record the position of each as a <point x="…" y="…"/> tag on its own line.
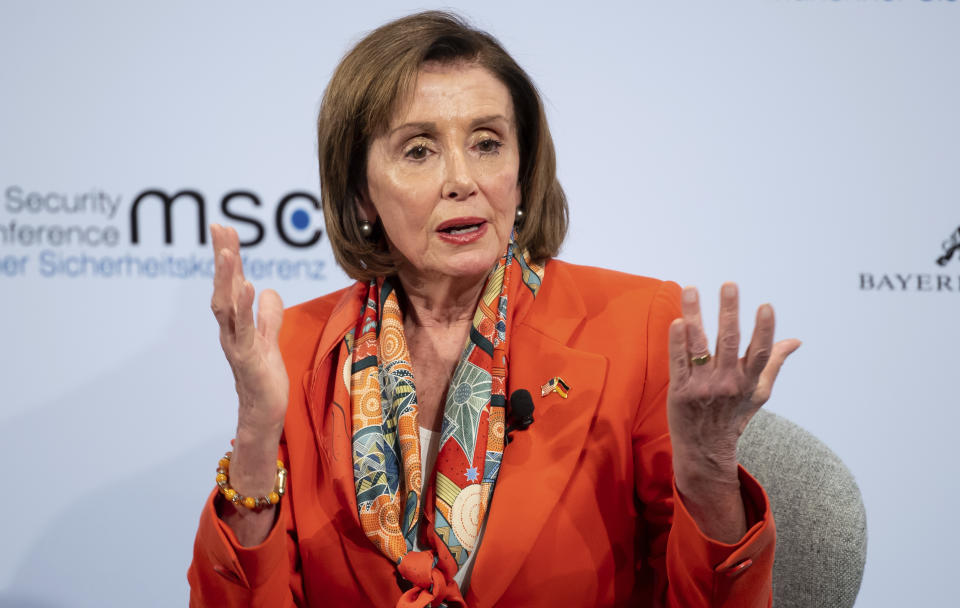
<point x="555" y="385"/>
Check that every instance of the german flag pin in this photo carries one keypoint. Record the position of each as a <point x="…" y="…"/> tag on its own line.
<point x="555" y="385"/>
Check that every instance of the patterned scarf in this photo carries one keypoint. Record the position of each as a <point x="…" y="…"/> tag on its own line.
<point x="386" y="433"/>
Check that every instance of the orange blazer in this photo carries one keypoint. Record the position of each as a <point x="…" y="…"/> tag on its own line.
<point x="585" y="512"/>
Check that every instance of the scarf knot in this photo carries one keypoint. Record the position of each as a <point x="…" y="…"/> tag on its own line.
<point x="429" y="583"/>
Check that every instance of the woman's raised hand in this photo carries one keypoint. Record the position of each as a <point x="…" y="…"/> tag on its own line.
<point x="251" y="349"/>
<point x="712" y="398"/>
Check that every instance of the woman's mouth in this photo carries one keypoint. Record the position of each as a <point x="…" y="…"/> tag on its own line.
<point x="462" y="230"/>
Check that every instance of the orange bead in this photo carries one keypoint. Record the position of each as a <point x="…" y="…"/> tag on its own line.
<point x="250" y="502"/>
<point x="279" y="464"/>
<point x="229" y="493"/>
<point x="274" y="498"/>
<point x="224" y="463"/>
<point x="221" y="478"/>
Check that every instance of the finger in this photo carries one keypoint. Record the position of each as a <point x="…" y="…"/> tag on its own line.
<point x="781" y="350"/>
<point x="679" y="355"/>
<point x="216" y="237"/>
<point x="246" y="330"/>
<point x="233" y="244"/>
<point x="759" y="351"/>
<point x="728" y="330"/>
<point x="222" y="301"/>
<point x="270" y="315"/>
<point x="230" y="238"/>
<point x="696" y="339"/>
<point x="226" y="238"/>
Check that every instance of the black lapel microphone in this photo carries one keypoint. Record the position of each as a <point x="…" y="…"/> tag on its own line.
<point x="520" y="412"/>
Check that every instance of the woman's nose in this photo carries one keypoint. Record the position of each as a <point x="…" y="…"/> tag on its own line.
<point x="458" y="182"/>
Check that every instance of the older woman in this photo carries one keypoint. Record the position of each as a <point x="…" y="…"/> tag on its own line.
<point x="409" y="471"/>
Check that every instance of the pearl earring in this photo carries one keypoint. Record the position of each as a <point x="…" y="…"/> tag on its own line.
<point x="366" y="228"/>
<point x="519" y="217"/>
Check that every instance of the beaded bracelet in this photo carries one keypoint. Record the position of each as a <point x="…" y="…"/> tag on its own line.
<point x="250" y="502"/>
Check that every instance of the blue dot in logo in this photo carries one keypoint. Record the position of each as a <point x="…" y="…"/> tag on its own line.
<point x="300" y="219"/>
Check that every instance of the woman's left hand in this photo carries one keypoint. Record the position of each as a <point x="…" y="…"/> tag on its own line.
<point x="710" y="401"/>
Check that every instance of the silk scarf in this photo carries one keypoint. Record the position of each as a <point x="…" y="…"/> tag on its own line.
<point x="386" y="446"/>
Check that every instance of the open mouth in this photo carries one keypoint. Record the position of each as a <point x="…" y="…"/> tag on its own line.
<point x="463" y="229"/>
<point x="461" y="225"/>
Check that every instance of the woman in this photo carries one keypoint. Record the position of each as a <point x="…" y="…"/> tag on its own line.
<point x="440" y="197"/>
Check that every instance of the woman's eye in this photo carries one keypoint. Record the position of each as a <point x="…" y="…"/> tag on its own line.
<point x="418" y="152"/>
<point x="487" y="146"/>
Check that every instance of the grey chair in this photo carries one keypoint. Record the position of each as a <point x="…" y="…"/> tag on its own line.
<point x="817" y="506"/>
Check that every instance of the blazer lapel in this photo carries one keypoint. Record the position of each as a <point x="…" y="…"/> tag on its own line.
<point x="539" y="461"/>
<point x="330" y="416"/>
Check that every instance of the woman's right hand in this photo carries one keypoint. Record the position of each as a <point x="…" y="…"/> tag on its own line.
<point x="252" y="350"/>
<point x="261" y="380"/>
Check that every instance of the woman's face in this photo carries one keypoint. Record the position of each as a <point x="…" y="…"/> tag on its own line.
<point x="443" y="178"/>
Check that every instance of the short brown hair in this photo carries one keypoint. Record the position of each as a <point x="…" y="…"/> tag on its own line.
<point x="360" y="100"/>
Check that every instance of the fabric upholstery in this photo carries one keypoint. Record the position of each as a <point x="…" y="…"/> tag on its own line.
<point x="821" y="522"/>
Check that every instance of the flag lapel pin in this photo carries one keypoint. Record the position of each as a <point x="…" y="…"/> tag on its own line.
<point x="555" y="385"/>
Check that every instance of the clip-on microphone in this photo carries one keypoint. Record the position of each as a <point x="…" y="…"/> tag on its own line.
<point x="520" y="413"/>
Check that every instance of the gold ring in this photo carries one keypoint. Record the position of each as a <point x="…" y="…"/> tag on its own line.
<point x="700" y="360"/>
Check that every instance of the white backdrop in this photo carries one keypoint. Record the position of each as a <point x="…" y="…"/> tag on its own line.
<point x="807" y="149"/>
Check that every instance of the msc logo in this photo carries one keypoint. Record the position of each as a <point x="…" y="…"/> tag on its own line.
<point x="291" y="219"/>
<point x="950" y="246"/>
